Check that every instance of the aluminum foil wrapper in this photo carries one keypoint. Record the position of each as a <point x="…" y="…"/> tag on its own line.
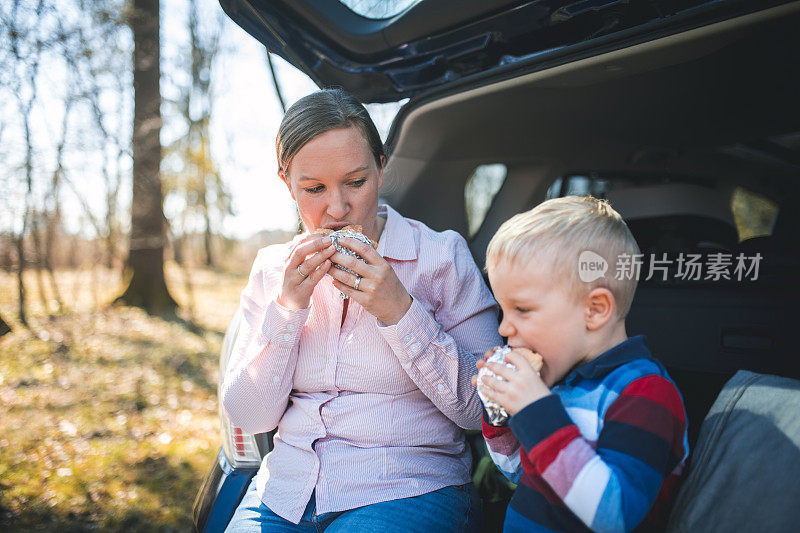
<point x="335" y="236"/>
<point x="497" y="414"/>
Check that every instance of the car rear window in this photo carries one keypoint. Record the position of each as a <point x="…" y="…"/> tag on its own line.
<point x="479" y="192"/>
<point x="378" y="9"/>
<point x="754" y="214"/>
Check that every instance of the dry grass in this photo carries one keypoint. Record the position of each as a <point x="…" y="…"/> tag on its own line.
<point x="109" y="416"/>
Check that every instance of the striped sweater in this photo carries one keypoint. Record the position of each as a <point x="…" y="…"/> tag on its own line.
<point x="603" y="452"/>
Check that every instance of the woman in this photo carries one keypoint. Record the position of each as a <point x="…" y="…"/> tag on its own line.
<point x="369" y="393"/>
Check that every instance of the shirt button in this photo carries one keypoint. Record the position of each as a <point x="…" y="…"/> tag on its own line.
<point x="440" y="387"/>
<point x="287" y="337"/>
<point x="291" y="327"/>
<point x="275" y="379"/>
<point x="415" y="347"/>
<point x="408" y="338"/>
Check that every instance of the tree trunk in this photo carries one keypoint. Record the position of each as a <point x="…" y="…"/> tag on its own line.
<point x="36" y="236"/>
<point x="6" y="259"/>
<point x="50" y="230"/>
<point x="110" y="251"/>
<point x="23" y="317"/>
<point x="145" y="264"/>
<point x="207" y="236"/>
<point x="177" y="249"/>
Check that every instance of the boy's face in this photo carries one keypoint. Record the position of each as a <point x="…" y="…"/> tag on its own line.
<point x="541" y="315"/>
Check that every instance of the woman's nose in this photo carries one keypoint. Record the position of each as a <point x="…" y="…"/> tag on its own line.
<point x="338" y="205"/>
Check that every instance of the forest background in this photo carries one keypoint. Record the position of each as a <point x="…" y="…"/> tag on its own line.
<point x="137" y="182"/>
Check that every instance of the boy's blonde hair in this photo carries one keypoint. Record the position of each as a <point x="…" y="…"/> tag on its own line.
<point x="556" y="232"/>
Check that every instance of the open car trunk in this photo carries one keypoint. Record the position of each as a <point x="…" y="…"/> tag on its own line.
<point x="440" y="43"/>
<point x="696" y="115"/>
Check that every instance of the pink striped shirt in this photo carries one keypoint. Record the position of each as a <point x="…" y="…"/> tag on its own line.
<point x="365" y="412"/>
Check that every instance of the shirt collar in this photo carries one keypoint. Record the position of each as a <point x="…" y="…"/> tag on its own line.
<point x="633" y="348"/>
<point x="399" y="239"/>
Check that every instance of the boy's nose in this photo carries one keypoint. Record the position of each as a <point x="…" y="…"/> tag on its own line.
<point x="506" y="329"/>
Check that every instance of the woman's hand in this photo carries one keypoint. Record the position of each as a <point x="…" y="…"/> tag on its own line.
<point x="521" y="387"/>
<point x="375" y="285"/>
<point x="307" y="264"/>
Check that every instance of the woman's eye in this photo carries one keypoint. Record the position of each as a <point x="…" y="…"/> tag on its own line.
<point x="358" y="182"/>
<point x="522" y="310"/>
<point x="314" y="190"/>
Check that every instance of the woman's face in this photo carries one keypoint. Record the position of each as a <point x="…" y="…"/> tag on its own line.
<point x="335" y="181"/>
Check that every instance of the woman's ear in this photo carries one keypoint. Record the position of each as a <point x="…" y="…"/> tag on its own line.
<point x="282" y="175"/>
<point x="600" y="307"/>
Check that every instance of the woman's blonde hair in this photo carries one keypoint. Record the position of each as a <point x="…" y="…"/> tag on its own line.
<point x="557" y="232"/>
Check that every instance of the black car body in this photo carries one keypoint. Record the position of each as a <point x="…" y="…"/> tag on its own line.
<point x="684" y="115"/>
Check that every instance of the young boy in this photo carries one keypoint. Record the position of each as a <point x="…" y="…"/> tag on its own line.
<point x="599" y="440"/>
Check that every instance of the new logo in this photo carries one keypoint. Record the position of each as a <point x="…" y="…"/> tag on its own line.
<point x="591" y="266"/>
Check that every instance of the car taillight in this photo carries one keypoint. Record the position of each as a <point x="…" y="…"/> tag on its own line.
<point x="240" y="448"/>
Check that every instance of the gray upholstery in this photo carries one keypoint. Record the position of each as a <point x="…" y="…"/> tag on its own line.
<point x="745" y="472"/>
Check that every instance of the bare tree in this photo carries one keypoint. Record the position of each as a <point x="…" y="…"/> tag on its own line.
<point x="45" y="157"/>
<point x="192" y="173"/>
<point x="25" y="48"/>
<point x="102" y="34"/>
<point x="52" y="218"/>
<point x="145" y="264"/>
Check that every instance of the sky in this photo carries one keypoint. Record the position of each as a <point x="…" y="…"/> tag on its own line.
<point x="245" y="118"/>
<point x="245" y="122"/>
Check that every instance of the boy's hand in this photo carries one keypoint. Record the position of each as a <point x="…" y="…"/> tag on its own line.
<point x="522" y="387"/>
<point x="480" y="364"/>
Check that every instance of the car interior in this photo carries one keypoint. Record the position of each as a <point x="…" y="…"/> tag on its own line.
<point x="678" y="134"/>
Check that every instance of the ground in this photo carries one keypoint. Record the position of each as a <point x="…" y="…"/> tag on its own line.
<point x="109" y="416"/>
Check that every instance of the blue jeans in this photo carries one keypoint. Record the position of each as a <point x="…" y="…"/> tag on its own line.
<point x="451" y="509"/>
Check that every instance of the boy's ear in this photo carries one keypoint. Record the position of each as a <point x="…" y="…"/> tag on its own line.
<point x="599" y="309"/>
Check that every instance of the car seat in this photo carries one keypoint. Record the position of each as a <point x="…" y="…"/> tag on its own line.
<point x="743" y="474"/>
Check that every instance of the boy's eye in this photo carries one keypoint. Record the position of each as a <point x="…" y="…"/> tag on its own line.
<point x="314" y="190"/>
<point x="522" y="310"/>
<point x="358" y="182"/>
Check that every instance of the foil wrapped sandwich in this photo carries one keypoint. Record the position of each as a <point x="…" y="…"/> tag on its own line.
<point x="354" y="232"/>
<point x="496" y="413"/>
